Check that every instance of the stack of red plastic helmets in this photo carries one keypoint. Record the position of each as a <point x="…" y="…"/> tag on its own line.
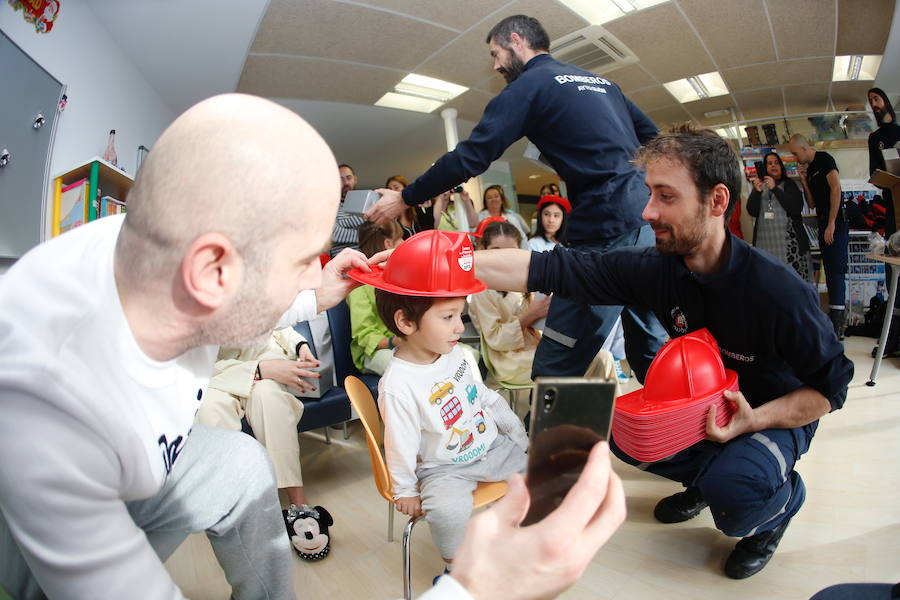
<point x="669" y="414"/>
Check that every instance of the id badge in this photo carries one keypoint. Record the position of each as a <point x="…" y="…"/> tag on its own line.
<point x="769" y="214"/>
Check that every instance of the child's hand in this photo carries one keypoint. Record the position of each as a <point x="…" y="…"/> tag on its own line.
<point x="411" y="507"/>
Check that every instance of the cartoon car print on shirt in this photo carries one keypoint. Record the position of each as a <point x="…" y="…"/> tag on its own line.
<point x="479" y="422"/>
<point x="471" y="393"/>
<point x="463" y="439"/>
<point x="451" y="412"/>
<point x="439" y="391"/>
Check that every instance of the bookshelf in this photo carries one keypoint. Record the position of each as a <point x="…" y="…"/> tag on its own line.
<point x="100" y="180"/>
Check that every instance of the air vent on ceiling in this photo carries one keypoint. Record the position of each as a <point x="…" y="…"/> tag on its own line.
<point x="593" y="49"/>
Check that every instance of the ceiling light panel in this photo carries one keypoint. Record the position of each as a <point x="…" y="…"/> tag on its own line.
<point x="697" y="87"/>
<point x="856" y="67"/>
<point x="598" y="12"/>
<point x="421" y="94"/>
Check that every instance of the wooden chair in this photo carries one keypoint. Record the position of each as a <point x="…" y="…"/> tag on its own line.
<point x="362" y="401"/>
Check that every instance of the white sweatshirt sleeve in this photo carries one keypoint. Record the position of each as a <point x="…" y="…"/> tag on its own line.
<point x="59" y="493"/>
<point x="303" y="309"/>
<point x="507" y="421"/>
<point x="402" y="436"/>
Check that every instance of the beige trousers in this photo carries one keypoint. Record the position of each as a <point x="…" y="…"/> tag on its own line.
<point x="272" y="412"/>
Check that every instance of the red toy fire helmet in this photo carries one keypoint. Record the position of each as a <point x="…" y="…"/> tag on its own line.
<point x="434" y="263"/>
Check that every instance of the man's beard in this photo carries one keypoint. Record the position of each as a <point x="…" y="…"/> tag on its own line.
<point x="249" y="319"/>
<point x="512" y="71"/>
<point x="686" y="244"/>
<point x="879" y="115"/>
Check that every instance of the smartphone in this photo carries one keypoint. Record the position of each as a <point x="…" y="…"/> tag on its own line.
<point x="568" y="417"/>
<point x="760" y="167"/>
<point x="458" y="189"/>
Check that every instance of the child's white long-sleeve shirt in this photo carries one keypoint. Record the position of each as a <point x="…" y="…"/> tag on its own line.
<point x="439" y="414"/>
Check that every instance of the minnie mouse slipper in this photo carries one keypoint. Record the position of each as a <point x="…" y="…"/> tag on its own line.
<point x="307" y="529"/>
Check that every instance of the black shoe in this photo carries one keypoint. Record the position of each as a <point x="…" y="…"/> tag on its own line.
<point x="679" y="507"/>
<point x="753" y="553"/>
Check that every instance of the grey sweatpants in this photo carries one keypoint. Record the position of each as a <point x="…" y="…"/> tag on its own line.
<point x="446" y="490"/>
<point x="222" y="484"/>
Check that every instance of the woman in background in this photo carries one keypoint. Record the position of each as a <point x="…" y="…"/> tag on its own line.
<point x="777" y="204"/>
<point x="415" y="218"/>
<point x="496" y="205"/>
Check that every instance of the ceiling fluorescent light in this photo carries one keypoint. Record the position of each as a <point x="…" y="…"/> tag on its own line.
<point x="729" y="133"/>
<point x="598" y="12"/>
<point x="697" y="87"/>
<point x="625" y="6"/>
<point x="856" y="67"/>
<point x="420" y="94"/>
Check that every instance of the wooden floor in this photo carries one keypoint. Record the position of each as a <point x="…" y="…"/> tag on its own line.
<point x="848" y="530"/>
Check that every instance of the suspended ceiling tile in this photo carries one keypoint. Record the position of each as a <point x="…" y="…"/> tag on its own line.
<point x="470" y="105"/>
<point x="863" y="26"/>
<point x="314" y="79"/>
<point x="736" y="32"/>
<point x="761" y="104"/>
<point x="651" y="98"/>
<point x="803" y="27"/>
<point x="670" y="115"/>
<point x="815" y="70"/>
<point x="493" y="84"/>
<point x="850" y="93"/>
<point x="664" y="42"/>
<point x="630" y="77"/>
<point x="467" y="60"/>
<point x="806" y="98"/>
<point x="324" y="28"/>
<point x="458" y="14"/>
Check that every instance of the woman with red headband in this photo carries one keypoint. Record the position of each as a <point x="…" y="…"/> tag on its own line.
<point x="550" y="231"/>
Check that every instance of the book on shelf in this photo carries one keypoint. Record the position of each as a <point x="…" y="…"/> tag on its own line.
<point x="73" y="205"/>
<point x="110" y="206"/>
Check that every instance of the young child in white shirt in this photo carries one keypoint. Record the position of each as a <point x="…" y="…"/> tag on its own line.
<point x="444" y="430"/>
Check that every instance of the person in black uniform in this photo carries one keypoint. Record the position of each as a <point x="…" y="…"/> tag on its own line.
<point x="588" y="131"/>
<point x="822" y="188"/>
<point x="886" y="136"/>
<point x="766" y="320"/>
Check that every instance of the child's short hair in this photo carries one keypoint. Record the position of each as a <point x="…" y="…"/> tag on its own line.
<point x="388" y="303"/>
<point x="498" y="229"/>
<point x="372" y="236"/>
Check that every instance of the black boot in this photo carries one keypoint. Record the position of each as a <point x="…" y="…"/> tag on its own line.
<point x="680" y="507"/>
<point x="753" y="553"/>
<point x="837" y="321"/>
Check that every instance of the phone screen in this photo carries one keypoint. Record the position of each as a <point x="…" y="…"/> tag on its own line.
<point x="568" y="417"/>
<point x="760" y="169"/>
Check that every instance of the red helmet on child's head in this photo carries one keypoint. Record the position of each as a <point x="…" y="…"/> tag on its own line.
<point x="434" y="263"/>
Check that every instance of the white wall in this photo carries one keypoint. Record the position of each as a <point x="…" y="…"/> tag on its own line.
<point x="105" y="89"/>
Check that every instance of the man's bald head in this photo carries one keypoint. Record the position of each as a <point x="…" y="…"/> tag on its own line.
<point x="237" y="197"/>
<point x="800" y="146"/>
<point x="235" y="164"/>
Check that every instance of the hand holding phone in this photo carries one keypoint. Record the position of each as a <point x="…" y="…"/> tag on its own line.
<point x="569" y="416"/>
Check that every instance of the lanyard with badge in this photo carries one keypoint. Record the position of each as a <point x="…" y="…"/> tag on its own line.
<point x="770" y="212"/>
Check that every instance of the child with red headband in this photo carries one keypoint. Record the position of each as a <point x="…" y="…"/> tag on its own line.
<point x="444" y="430"/>
<point x="552" y="220"/>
